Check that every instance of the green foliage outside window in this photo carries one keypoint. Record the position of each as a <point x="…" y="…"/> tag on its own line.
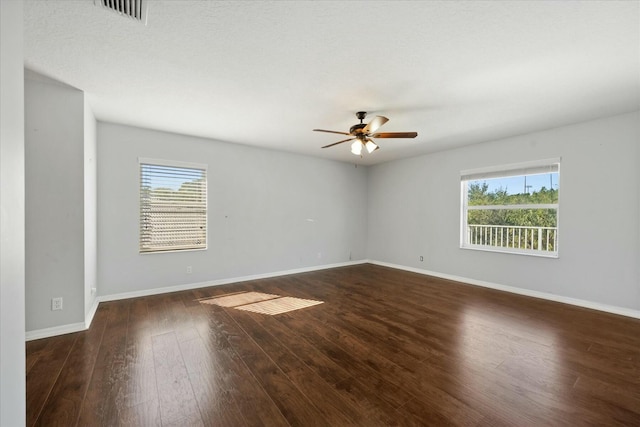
<point x="478" y="195"/>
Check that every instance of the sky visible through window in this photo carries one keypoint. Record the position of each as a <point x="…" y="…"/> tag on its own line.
<point x="516" y="184"/>
<point x="174" y="178"/>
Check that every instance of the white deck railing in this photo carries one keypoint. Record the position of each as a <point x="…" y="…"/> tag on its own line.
<point x="541" y="239"/>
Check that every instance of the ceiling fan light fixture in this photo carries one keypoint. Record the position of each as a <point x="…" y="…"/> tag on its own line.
<point x="356" y="147"/>
<point x="370" y="146"/>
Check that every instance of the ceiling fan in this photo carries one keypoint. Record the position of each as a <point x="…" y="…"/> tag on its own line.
<point x="362" y="134"/>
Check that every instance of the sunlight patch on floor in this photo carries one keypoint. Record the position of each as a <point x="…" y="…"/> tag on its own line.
<point x="258" y="302"/>
<point x="241" y="298"/>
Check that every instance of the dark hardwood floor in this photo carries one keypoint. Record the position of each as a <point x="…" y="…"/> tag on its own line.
<point x="387" y="347"/>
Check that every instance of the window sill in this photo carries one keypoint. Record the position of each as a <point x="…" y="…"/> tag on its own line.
<point x="171" y="251"/>
<point x="513" y="251"/>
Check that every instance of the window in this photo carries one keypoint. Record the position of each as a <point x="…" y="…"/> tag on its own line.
<point x="512" y="208"/>
<point x="173" y="206"/>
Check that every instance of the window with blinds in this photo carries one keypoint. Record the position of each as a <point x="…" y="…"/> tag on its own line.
<point x="173" y="206"/>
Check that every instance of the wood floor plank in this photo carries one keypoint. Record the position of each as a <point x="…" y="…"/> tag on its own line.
<point x="335" y="409"/>
<point x="257" y="408"/>
<point x="64" y="403"/>
<point x="293" y="405"/>
<point x="400" y="371"/>
<point x="33" y="351"/>
<point x="385" y="348"/>
<point x="365" y="394"/>
<point x="44" y="374"/>
<point x="216" y="403"/>
<point x="178" y="404"/>
<point x="318" y="362"/>
<point x="141" y="400"/>
<point x="621" y="403"/>
<point x="108" y="381"/>
<point x="353" y="354"/>
<point x="145" y="413"/>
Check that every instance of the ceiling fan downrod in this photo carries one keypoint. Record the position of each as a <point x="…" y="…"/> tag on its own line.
<point x="357" y="128"/>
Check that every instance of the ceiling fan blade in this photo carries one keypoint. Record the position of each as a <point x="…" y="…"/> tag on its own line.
<point x="395" y="135"/>
<point x="332" y="131"/>
<point x="339" y="142"/>
<point x="374" y="124"/>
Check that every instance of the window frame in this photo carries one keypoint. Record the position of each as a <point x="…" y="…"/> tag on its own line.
<point x="178" y="165"/>
<point x="503" y="171"/>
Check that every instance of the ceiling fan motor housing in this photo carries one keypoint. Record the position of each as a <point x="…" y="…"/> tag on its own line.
<point x="356" y="129"/>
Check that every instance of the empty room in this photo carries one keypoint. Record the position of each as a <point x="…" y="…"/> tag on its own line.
<point x="296" y="213"/>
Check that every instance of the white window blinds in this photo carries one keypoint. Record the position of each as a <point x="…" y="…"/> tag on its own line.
<point x="173" y="206"/>
<point x="519" y="169"/>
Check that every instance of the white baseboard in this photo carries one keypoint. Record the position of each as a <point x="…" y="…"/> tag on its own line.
<point x="622" y="311"/>
<point x="64" y="329"/>
<point x="83" y="326"/>
<point x="92" y="312"/>
<point x="219" y="282"/>
<point x="56" y="330"/>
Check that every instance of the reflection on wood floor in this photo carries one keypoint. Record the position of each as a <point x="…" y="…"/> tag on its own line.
<point x="386" y="347"/>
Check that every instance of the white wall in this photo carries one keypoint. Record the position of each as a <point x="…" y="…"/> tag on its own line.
<point x="414" y="209"/>
<point x="267" y="211"/>
<point x="54" y="148"/>
<point x="12" y="206"/>
<point x="90" y="209"/>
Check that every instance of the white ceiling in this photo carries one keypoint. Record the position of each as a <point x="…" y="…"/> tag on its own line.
<point x="266" y="73"/>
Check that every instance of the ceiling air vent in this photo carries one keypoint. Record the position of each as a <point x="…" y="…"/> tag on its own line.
<point x="135" y="9"/>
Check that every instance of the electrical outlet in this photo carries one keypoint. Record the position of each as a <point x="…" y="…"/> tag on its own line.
<point x="421" y="258"/>
<point x="56" y="303"/>
<point x="189" y="269"/>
